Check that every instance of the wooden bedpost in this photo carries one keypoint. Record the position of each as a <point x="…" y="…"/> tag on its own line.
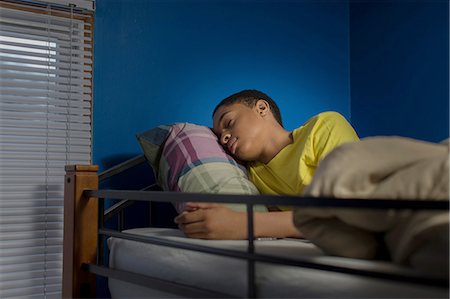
<point x="80" y="231"/>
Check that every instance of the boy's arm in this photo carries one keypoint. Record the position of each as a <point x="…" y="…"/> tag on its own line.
<point x="216" y="221"/>
<point x="276" y="224"/>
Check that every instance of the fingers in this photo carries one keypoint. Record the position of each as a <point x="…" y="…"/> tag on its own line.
<point x="192" y="224"/>
<point x="197" y="230"/>
<point x="201" y="205"/>
<point x="193" y="228"/>
<point x="198" y="221"/>
<point x="189" y="217"/>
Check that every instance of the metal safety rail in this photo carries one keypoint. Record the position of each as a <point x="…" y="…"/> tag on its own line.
<point x="250" y="255"/>
<point x="82" y="190"/>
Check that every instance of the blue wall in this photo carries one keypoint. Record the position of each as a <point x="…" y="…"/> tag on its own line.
<point x="159" y="62"/>
<point x="400" y="68"/>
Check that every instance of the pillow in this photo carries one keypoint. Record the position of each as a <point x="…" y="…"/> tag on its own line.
<point x="188" y="158"/>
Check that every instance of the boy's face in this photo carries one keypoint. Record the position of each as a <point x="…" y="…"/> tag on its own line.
<point x="241" y="130"/>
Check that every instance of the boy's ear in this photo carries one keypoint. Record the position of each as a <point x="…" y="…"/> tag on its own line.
<point x="263" y="107"/>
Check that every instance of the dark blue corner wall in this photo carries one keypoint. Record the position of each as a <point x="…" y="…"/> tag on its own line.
<point x="159" y="62"/>
<point x="400" y="68"/>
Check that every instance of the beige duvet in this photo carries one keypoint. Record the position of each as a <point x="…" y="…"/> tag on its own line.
<point x="389" y="168"/>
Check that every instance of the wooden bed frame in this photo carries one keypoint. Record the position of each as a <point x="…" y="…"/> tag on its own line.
<point x="80" y="231"/>
<point x="84" y="216"/>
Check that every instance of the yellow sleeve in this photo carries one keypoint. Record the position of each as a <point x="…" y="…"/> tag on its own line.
<point x="332" y="130"/>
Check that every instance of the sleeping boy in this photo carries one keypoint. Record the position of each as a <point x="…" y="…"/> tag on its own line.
<point x="249" y="126"/>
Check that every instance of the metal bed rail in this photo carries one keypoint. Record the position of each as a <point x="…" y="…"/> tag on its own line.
<point x="118" y="208"/>
<point x="280" y="200"/>
<point x="250" y="255"/>
<point x="121" y="167"/>
<point x="82" y="184"/>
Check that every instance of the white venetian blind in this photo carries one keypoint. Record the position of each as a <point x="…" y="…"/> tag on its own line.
<point x="45" y="123"/>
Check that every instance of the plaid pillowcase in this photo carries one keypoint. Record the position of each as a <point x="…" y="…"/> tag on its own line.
<point x="188" y="158"/>
<point x="151" y="143"/>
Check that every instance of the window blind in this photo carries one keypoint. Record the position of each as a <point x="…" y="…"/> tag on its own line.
<point x="45" y="123"/>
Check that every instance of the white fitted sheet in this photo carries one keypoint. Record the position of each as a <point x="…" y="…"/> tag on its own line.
<point x="229" y="275"/>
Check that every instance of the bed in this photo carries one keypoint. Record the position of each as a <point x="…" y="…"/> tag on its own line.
<point x="155" y="262"/>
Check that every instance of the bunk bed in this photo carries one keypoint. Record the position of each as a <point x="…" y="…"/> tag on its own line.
<point x="161" y="262"/>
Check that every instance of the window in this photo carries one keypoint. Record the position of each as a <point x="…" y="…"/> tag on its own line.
<point x="45" y="123"/>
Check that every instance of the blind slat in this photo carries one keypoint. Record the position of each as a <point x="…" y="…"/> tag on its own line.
<point x="43" y="22"/>
<point x="50" y="245"/>
<point x="24" y="200"/>
<point x="5" y="75"/>
<point x="43" y="60"/>
<point x="22" y="259"/>
<point x="32" y="266"/>
<point x="30" y="219"/>
<point x="27" y="274"/>
<point x="34" y="34"/>
<point x="45" y="47"/>
<point x="46" y="147"/>
<point x="78" y="71"/>
<point x="54" y="128"/>
<point x="13" y="139"/>
<point x="43" y="39"/>
<point x="61" y="54"/>
<point x="40" y="88"/>
<point x="40" y="62"/>
<point x="51" y="156"/>
<point x="55" y="101"/>
<point x="68" y="110"/>
<point x="45" y="13"/>
<point x="30" y="292"/>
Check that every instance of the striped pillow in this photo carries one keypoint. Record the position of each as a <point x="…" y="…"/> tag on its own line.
<point x="188" y="158"/>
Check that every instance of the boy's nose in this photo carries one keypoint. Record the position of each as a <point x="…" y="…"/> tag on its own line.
<point x="225" y="138"/>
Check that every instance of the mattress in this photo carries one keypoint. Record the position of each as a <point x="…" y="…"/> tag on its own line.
<point x="229" y="275"/>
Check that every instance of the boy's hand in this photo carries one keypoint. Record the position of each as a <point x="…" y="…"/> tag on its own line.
<point x="212" y="221"/>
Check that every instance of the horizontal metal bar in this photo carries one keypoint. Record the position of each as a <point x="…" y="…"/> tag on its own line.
<point x="121" y="167"/>
<point x="124" y="203"/>
<point x="403" y="275"/>
<point x="299" y="201"/>
<point x="155" y="283"/>
<point x="117" y="208"/>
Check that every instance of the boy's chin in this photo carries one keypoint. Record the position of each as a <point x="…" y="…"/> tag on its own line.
<point x="240" y="161"/>
<point x="235" y="157"/>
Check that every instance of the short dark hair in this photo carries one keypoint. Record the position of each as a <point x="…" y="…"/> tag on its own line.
<point x="249" y="97"/>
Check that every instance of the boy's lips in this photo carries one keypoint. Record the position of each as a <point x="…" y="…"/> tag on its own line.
<point x="232" y="143"/>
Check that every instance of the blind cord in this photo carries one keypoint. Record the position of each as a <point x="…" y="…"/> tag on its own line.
<point x="69" y="98"/>
<point x="47" y="152"/>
